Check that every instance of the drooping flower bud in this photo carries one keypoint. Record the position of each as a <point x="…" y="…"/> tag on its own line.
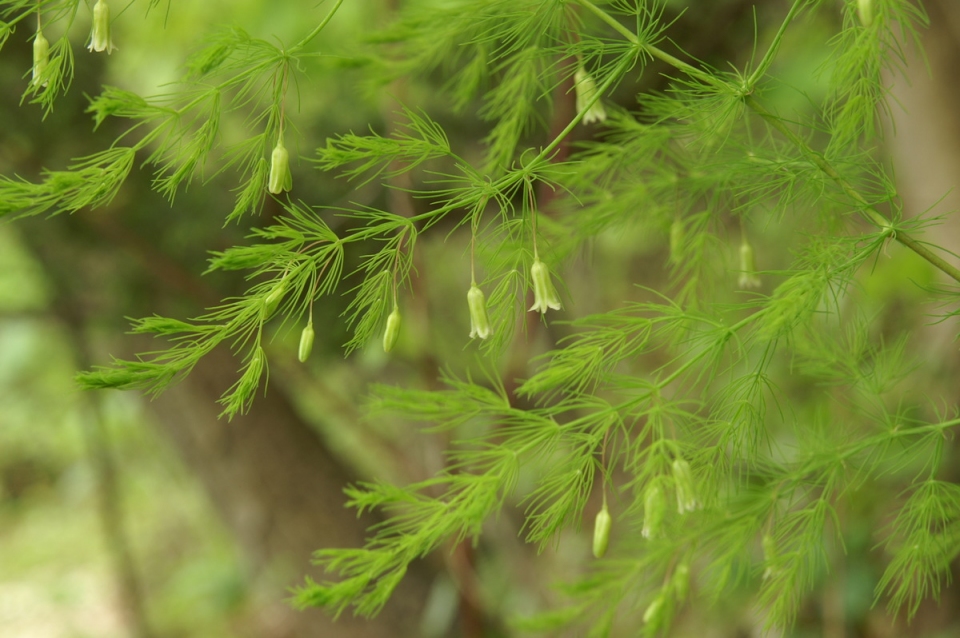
<point x="654" y="508"/>
<point x="677" y="237"/>
<point x="280" y="178"/>
<point x="748" y="267"/>
<point x="544" y="294"/>
<point x="654" y="612"/>
<point x="272" y="300"/>
<point x="586" y="89"/>
<point x="479" y="321"/>
<point x="769" y="547"/>
<point x="683" y="484"/>
<point x="769" y="555"/>
<point x="41" y="58"/>
<point x="681" y="581"/>
<point x="100" y="39"/>
<point x="601" y="532"/>
<point x="306" y="342"/>
<point x="865" y="11"/>
<point x="393" y="330"/>
<point x="255" y="367"/>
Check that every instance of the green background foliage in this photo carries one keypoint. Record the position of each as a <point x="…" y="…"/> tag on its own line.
<point x="737" y="372"/>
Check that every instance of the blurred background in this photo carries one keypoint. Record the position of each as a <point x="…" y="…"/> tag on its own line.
<point x="124" y="516"/>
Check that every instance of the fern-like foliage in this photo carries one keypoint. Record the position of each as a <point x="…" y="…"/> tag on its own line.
<point x="731" y="431"/>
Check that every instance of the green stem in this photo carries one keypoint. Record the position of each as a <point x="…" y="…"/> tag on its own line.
<point x="310" y="36"/>
<point x="662" y="384"/>
<point x="869" y="211"/>
<point x="650" y="49"/>
<point x="774" y="47"/>
<point x="533" y="217"/>
<point x="673" y="376"/>
<point x="606" y="17"/>
<point x="601" y="90"/>
<point x="512" y="177"/>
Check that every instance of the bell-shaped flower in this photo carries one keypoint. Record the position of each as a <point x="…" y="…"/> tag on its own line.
<point x="280" y="178"/>
<point x="544" y="294"/>
<point x="586" y="90"/>
<point x="100" y="39"/>
<point x="683" y="485"/>
<point x="479" y="321"/>
<point x="748" y="267"/>
<point x="769" y="556"/>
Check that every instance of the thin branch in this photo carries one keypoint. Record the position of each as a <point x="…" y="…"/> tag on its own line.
<point x="818" y="159"/>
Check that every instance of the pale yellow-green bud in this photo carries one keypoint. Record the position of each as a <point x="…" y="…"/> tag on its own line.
<point x="586" y="89"/>
<point x="654" y="508"/>
<point x="865" y="11"/>
<point x="306" y="343"/>
<point x="41" y="58"/>
<point x="273" y="300"/>
<point x="544" y="294"/>
<point x="479" y="321"/>
<point x="280" y="178"/>
<point x="681" y="581"/>
<point x="748" y="267"/>
<point x="769" y="555"/>
<point x="653" y="615"/>
<point x="393" y="330"/>
<point x="769" y="547"/>
<point x="677" y="237"/>
<point x="683" y="485"/>
<point x="601" y="532"/>
<point x="100" y="39"/>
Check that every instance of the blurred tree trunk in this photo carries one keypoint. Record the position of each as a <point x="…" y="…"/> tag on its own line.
<point x="278" y="488"/>
<point x="925" y="137"/>
<point x="923" y="141"/>
<point x="271" y="479"/>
